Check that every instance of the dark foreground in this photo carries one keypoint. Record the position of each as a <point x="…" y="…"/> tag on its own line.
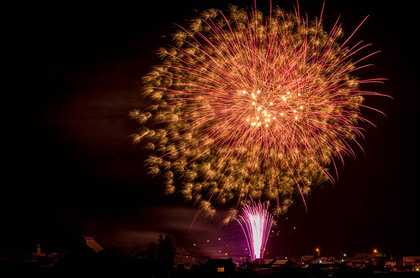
<point x="123" y="268"/>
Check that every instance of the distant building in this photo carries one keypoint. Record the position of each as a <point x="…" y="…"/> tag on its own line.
<point x="324" y="260"/>
<point x="37" y="256"/>
<point x="308" y="258"/>
<point x="390" y="263"/>
<point x="40" y="258"/>
<point x="282" y="263"/>
<point x="266" y="261"/>
<point x="38" y="251"/>
<point x="186" y="261"/>
<point x="217" y="267"/>
<point x="221" y="265"/>
<point x="412" y="262"/>
<point x="367" y="255"/>
<point x="92" y="244"/>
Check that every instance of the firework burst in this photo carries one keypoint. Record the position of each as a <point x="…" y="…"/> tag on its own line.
<point x="250" y="105"/>
<point x="256" y="223"/>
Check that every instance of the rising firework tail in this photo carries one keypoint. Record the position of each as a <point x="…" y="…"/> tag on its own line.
<point x="256" y="222"/>
<point x="245" y="104"/>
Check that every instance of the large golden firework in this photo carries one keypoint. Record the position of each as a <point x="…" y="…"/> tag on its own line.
<point x="250" y="105"/>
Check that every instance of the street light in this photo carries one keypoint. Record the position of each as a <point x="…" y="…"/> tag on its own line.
<point x="317" y="251"/>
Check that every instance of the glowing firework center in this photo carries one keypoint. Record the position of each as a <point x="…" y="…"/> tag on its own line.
<point x="261" y="112"/>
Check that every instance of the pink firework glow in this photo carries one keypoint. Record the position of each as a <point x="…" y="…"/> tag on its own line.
<point x="246" y="104"/>
<point x="256" y="224"/>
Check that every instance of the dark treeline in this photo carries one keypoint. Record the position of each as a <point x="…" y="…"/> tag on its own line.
<point x="156" y="261"/>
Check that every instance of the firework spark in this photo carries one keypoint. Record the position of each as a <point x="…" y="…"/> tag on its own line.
<point x="256" y="223"/>
<point x="251" y="105"/>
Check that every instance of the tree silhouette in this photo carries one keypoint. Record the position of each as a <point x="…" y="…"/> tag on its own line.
<point x="160" y="257"/>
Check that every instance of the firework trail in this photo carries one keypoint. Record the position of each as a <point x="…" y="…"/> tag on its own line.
<point x="250" y="105"/>
<point x="256" y="224"/>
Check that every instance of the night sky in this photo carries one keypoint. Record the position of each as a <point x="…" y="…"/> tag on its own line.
<point x="71" y="169"/>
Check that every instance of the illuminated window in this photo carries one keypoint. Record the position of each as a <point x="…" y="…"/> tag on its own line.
<point x="220" y="269"/>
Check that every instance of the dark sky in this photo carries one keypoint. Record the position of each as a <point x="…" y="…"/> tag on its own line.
<point x="72" y="170"/>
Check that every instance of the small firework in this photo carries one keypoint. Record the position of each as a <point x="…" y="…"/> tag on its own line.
<point x="256" y="224"/>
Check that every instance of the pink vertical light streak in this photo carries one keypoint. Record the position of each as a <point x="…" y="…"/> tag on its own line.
<point x="256" y="222"/>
